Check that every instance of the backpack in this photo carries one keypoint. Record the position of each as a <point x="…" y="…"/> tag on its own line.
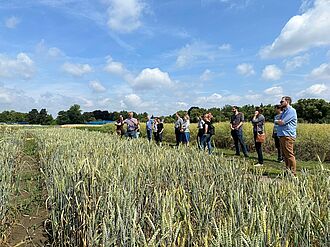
<point x="211" y="129"/>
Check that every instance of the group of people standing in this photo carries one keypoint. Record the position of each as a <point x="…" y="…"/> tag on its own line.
<point x="284" y="131"/>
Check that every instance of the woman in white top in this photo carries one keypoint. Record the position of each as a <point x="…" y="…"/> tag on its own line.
<point x="185" y="127"/>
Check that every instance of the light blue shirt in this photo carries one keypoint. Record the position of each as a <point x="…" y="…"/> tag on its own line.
<point x="149" y="124"/>
<point x="289" y="128"/>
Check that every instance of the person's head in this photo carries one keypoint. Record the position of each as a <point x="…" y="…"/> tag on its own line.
<point x="258" y="110"/>
<point x="278" y="109"/>
<point x="178" y="115"/>
<point x="148" y="117"/>
<point x="130" y="114"/>
<point x="186" y="117"/>
<point x="234" y="109"/>
<point x="210" y="116"/>
<point x="206" y="117"/>
<point x="121" y="117"/>
<point x="285" y="101"/>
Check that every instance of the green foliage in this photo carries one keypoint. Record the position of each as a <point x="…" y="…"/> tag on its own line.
<point x="71" y="116"/>
<point x="313" y="110"/>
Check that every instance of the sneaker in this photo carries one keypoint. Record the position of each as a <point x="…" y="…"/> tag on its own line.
<point x="258" y="164"/>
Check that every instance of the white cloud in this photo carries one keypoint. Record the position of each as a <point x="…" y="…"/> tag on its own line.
<point x="124" y="16"/>
<point x="195" y="51"/>
<point x="271" y="73"/>
<point x="302" y="32"/>
<point x="105" y="102"/>
<point x="182" y="104"/>
<point x="328" y="54"/>
<point x="277" y="91"/>
<point x="214" y="98"/>
<point x="97" y="86"/>
<point x="12" y="98"/>
<point x="22" y="66"/>
<point x="151" y="79"/>
<point x="12" y="22"/>
<point x="207" y="75"/>
<point x="132" y="101"/>
<point x="77" y="69"/>
<point x="225" y="47"/>
<point x="113" y="67"/>
<point x="296" y="62"/>
<point x="245" y="69"/>
<point x="321" y="73"/>
<point x="316" y="90"/>
<point x="55" y="52"/>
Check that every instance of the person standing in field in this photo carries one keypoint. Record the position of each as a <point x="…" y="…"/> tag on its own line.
<point x="178" y="129"/>
<point x="258" y="122"/>
<point x="278" y="110"/>
<point x="200" y="127"/>
<point x="160" y="129"/>
<point x="120" y="126"/>
<point x="208" y="130"/>
<point x="185" y="127"/>
<point x="132" y="125"/>
<point x="137" y="130"/>
<point x="155" y="129"/>
<point x="287" y="133"/>
<point x="236" y="122"/>
<point x="149" y="125"/>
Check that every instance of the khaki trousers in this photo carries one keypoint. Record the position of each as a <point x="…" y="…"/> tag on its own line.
<point x="287" y="150"/>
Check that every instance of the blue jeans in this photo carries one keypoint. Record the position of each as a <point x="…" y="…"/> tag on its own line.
<point x="206" y="141"/>
<point x="149" y="134"/>
<point x="131" y="134"/>
<point x="238" y="139"/>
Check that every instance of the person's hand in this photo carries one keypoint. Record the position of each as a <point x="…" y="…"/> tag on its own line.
<point x="280" y="122"/>
<point x="256" y="113"/>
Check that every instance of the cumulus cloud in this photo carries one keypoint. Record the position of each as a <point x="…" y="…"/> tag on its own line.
<point x="277" y="91"/>
<point x="302" y="32"/>
<point x="207" y="75"/>
<point x="114" y="67"/>
<point x="321" y="73"/>
<point x="132" y="101"/>
<point x="316" y="90"/>
<point x="97" y="87"/>
<point x="194" y="51"/>
<point x="22" y="66"/>
<point x="12" y="22"/>
<point x="214" y="98"/>
<point x="152" y="79"/>
<point x="296" y="62"/>
<point x="182" y="104"/>
<point x="271" y="73"/>
<point x="125" y="16"/>
<point x="77" y="69"/>
<point x="52" y="52"/>
<point x="245" y="69"/>
<point x="11" y="98"/>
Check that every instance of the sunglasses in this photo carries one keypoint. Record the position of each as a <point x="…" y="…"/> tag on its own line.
<point x="281" y="101"/>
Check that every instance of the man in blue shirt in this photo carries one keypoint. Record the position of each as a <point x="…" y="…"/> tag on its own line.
<point x="149" y="124"/>
<point x="286" y="131"/>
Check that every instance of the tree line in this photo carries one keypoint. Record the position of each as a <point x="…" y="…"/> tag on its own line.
<point x="308" y="111"/>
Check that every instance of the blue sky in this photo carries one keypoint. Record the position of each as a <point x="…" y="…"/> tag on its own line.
<point x="160" y="56"/>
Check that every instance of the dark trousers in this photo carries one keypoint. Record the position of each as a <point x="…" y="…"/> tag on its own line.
<point x="206" y="141"/>
<point x="178" y="136"/>
<point x="258" y="146"/>
<point x="278" y="147"/>
<point x="238" y="139"/>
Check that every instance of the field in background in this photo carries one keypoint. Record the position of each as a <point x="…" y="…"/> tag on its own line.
<point x="313" y="141"/>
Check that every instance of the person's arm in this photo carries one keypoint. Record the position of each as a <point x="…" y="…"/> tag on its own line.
<point x="161" y="132"/>
<point x="287" y="118"/>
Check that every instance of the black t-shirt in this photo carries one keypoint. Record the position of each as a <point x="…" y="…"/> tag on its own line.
<point x="160" y="127"/>
<point x="206" y="123"/>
